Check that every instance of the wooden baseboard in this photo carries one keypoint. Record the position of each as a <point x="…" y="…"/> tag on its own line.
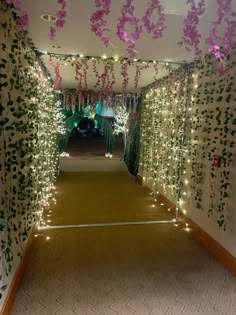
<point x="139" y="179"/>
<point x="18" y="277"/>
<point x="213" y="247"/>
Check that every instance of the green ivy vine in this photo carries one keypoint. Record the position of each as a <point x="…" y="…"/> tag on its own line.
<point x="29" y="132"/>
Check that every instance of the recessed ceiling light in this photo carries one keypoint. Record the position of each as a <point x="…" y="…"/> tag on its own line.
<point x="56" y="46"/>
<point x="48" y="17"/>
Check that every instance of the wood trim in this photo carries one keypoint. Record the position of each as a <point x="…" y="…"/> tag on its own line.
<point x="139" y="179"/>
<point x="213" y="247"/>
<point x="10" y="298"/>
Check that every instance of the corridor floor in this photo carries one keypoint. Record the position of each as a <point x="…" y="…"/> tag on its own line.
<point x="146" y="269"/>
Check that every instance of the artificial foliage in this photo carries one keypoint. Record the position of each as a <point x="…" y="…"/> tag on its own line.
<point x="162" y="139"/>
<point x="131" y="156"/>
<point x="29" y="128"/>
<point x="212" y="130"/>
<point x="182" y="133"/>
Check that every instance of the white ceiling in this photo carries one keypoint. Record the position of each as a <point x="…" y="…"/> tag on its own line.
<point x="76" y="37"/>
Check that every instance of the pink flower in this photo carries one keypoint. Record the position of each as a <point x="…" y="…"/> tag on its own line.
<point x="155" y="28"/>
<point x="127" y="16"/>
<point x="52" y="33"/>
<point x="225" y="16"/>
<point x="191" y="37"/>
<point x="22" y="22"/>
<point x="58" y="25"/>
<point x="97" y="20"/>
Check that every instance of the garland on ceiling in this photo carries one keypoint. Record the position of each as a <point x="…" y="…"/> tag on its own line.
<point x="220" y="45"/>
<point x="106" y="79"/>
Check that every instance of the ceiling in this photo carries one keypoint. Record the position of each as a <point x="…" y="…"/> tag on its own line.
<point x="76" y="37"/>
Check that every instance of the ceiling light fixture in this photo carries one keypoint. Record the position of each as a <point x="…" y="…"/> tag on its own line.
<point x="56" y="46"/>
<point x="104" y="57"/>
<point x="81" y="55"/>
<point x="49" y="17"/>
<point x="116" y="58"/>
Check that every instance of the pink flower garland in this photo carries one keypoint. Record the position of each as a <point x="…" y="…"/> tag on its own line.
<point x="58" y="78"/>
<point x="155" y="28"/>
<point x="124" y="73"/>
<point x="97" y="85"/>
<point x="79" y="78"/>
<point x="111" y="83"/>
<point x="191" y="37"/>
<point x="22" y="20"/>
<point x="170" y="83"/>
<point x="97" y="19"/>
<point x="61" y="14"/>
<point x="156" y="71"/>
<point x="139" y="68"/>
<point x="227" y="17"/>
<point x="182" y="82"/>
<point x="103" y="92"/>
<point x="127" y="16"/>
<point x="85" y="69"/>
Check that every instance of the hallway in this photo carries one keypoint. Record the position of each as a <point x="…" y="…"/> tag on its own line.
<point x="124" y="269"/>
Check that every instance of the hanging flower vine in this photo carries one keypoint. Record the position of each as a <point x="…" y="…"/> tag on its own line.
<point x="127" y="16"/>
<point x="191" y="37"/>
<point x="60" y="21"/>
<point x="58" y="78"/>
<point x="182" y="81"/>
<point x="155" y="66"/>
<point x="97" y="20"/>
<point x="139" y="68"/>
<point x="85" y="70"/>
<point x="97" y="85"/>
<point x="124" y="73"/>
<point x="156" y="29"/>
<point x="112" y="79"/>
<point x="79" y="78"/>
<point x="222" y="45"/>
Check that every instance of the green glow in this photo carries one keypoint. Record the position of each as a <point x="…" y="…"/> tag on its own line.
<point x="75" y="124"/>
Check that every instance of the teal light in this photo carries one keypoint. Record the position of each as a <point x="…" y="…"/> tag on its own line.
<point x="75" y="124"/>
<point x="96" y="123"/>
